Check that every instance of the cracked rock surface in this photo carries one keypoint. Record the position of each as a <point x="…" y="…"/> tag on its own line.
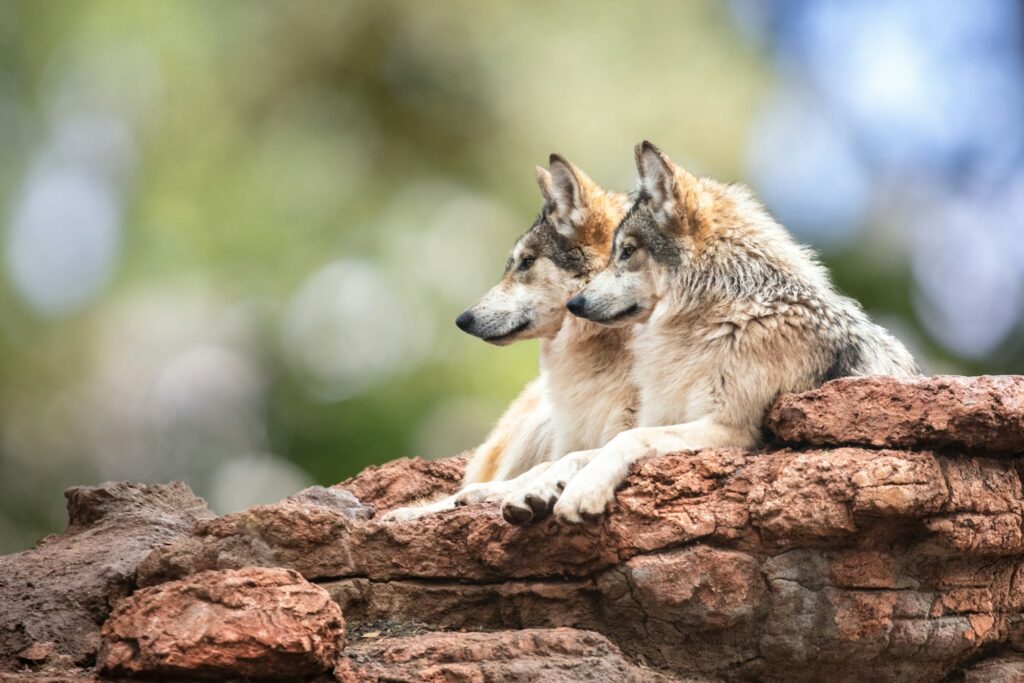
<point x="248" y="623"/>
<point x="403" y="482"/>
<point x="944" y="411"/>
<point x="782" y="565"/>
<point x="884" y="542"/>
<point x="54" y="597"/>
<point x="557" y="655"/>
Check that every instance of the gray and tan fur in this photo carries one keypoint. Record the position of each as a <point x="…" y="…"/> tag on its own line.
<point x="583" y="396"/>
<point x="728" y="312"/>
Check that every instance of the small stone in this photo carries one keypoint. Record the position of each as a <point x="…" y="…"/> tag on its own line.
<point x="37" y="652"/>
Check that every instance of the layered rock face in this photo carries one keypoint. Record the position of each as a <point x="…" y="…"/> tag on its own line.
<point x="881" y="539"/>
<point x="54" y="597"/>
<point x="961" y="413"/>
<point x="557" y="655"/>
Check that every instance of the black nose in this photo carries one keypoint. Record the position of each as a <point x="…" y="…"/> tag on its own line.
<point x="577" y="304"/>
<point x="465" y="320"/>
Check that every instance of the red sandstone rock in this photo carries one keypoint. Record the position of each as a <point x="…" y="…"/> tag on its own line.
<point x="798" y="615"/>
<point x="405" y="481"/>
<point x="54" y="597"/>
<point x="719" y="563"/>
<point x="248" y="623"/>
<point x="300" y="532"/>
<point x="945" y="411"/>
<point x="773" y="500"/>
<point x="561" y="655"/>
<point x="839" y="564"/>
<point x="861" y="503"/>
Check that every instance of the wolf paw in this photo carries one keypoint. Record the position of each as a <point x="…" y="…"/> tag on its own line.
<point x="533" y="503"/>
<point x="583" y="501"/>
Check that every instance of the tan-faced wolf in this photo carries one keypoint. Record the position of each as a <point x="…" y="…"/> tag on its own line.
<point x="583" y="396"/>
<point x="728" y="312"/>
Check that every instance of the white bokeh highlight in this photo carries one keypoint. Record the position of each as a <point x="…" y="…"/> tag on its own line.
<point x="350" y="326"/>
<point x="63" y="240"/>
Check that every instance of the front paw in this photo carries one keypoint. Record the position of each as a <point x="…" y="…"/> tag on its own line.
<point x="532" y="503"/>
<point x="583" y="501"/>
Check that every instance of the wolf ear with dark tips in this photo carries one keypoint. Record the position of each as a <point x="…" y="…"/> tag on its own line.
<point x="545" y="184"/>
<point x="569" y="191"/>
<point x="657" y="174"/>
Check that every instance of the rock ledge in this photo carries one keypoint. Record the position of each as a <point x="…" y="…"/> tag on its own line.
<point x="885" y="540"/>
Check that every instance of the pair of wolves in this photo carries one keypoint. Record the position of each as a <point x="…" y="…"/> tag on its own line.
<point x="668" y="321"/>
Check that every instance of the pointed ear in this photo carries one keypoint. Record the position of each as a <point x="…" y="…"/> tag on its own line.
<point x="571" y="190"/>
<point x="657" y="174"/>
<point x="545" y="185"/>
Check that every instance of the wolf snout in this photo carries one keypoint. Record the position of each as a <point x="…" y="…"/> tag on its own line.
<point x="465" y="320"/>
<point x="577" y="305"/>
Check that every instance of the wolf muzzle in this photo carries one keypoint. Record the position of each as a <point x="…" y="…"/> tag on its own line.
<point x="578" y="306"/>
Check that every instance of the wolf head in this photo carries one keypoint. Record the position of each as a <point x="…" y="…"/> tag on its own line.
<point x="567" y="243"/>
<point x="669" y="224"/>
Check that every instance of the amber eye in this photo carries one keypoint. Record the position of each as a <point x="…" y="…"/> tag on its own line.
<point x="626" y="252"/>
<point x="526" y="263"/>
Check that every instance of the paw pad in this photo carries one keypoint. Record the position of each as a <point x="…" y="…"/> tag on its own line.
<point x="516" y="515"/>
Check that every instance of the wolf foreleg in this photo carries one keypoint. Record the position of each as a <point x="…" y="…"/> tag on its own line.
<point x="470" y="494"/>
<point x="588" y="494"/>
<point x="404" y="514"/>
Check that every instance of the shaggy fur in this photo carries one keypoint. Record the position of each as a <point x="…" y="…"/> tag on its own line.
<point x="728" y="312"/>
<point x="583" y="396"/>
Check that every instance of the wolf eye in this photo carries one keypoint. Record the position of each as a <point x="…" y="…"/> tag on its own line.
<point x="526" y="263"/>
<point x="626" y="252"/>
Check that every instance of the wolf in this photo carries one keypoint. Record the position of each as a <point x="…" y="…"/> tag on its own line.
<point x="583" y="396"/>
<point x="728" y="312"/>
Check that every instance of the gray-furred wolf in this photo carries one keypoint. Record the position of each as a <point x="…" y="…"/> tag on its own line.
<point x="727" y="312"/>
<point x="583" y="396"/>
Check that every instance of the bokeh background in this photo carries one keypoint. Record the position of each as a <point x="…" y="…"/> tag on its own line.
<point x="234" y="234"/>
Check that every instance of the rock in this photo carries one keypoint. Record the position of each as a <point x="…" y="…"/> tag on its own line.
<point x="550" y="655"/>
<point x="815" y="563"/>
<point x="405" y="481"/>
<point x="337" y="499"/>
<point x="248" y="623"/>
<point x="801" y="615"/>
<point x="698" y="585"/>
<point x="54" y="597"/>
<point x="1008" y="668"/>
<point x="301" y="532"/>
<point x="945" y="411"/>
<point x="752" y="502"/>
<point x="839" y="563"/>
<point x="37" y="652"/>
<point x="795" y="562"/>
<point x="72" y="676"/>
